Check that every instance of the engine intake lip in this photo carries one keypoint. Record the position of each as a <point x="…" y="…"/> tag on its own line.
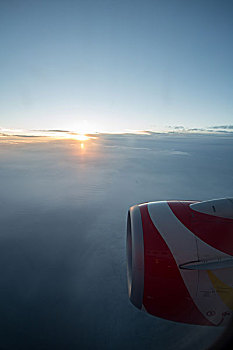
<point x="135" y="256"/>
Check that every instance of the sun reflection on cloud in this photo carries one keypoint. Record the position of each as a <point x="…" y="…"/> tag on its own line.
<point x="78" y="137"/>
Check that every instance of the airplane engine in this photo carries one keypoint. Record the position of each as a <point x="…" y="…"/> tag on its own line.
<point x="180" y="260"/>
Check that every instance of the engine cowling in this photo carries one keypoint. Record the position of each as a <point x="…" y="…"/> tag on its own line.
<point x="180" y="260"/>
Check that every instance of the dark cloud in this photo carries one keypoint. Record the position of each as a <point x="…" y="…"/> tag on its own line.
<point x="52" y="130"/>
<point x="223" y="127"/>
<point x="212" y="129"/>
<point x="22" y="135"/>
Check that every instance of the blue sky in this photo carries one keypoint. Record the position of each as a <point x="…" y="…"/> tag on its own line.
<point x="115" y="65"/>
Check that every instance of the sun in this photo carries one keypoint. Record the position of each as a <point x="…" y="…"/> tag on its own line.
<point x="82" y="127"/>
<point x="83" y="131"/>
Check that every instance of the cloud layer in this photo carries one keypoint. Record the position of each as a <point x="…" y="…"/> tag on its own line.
<point x="63" y="230"/>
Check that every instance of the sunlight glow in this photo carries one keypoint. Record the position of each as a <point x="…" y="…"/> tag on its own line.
<point x="31" y="136"/>
<point x="79" y="137"/>
<point x="82" y="146"/>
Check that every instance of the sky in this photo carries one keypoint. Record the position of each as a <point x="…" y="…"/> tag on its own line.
<point x="107" y="65"/>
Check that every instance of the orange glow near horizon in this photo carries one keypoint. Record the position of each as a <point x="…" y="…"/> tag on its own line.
<point x="78" y="137"/>
<point x="25" y="136"/>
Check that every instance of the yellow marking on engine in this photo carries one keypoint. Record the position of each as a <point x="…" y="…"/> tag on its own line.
<point x="224" y="291"/>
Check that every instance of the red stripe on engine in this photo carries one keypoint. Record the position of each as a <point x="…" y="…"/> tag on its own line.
<point x="213" y="230"/>
<point x="165" y="294"/>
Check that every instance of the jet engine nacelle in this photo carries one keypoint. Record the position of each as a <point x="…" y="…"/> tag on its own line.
<point x="180" y="260"/>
